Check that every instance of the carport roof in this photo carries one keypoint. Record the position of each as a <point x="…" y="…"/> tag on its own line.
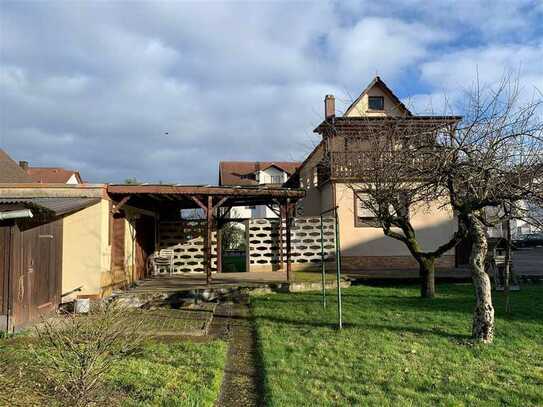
<point x="182" y="195"/>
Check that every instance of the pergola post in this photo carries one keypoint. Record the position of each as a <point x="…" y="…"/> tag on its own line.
<point x="209" y="224"/>
<point x="288" y="220"/>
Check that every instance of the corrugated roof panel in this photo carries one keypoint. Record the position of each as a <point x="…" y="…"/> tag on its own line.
<point x="59" y="206"/>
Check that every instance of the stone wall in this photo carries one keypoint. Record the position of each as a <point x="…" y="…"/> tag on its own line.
<point x="263" y="243"/>
<point x="186" y="239"/>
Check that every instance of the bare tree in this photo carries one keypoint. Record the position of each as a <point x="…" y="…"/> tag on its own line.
<point x="392" y="196"/>
<point x="492" y="159"/>
<point x="378" y="155"/>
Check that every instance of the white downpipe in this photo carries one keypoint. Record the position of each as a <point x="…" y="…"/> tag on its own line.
<point x="23" y="213"/>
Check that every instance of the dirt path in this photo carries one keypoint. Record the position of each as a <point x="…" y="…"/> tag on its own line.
<point x="242" y="381"/>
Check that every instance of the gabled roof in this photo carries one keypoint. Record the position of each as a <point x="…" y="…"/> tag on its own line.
<point x="10" y="172"/>
<point x="52" y="175"/>
<point x="239" y="172"/>
<point x="378" y="82"/>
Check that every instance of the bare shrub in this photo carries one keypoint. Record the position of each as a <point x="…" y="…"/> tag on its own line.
<point x="76" y="352"/>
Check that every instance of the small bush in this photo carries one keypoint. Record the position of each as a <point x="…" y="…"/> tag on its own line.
<point x="76" y="352"/>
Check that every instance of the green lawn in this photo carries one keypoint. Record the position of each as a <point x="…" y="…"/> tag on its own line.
<point x="399" y="350"/>
<point x="172" y="373"/>
<point x="234" y="264"/>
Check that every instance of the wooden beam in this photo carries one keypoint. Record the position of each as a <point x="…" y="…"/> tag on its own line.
<point x="218" y="204"/>
<point x="199" y="203"/>
<point x="207" y="190"/>
<point x="226" y="213"/>
<point x="117" y="208"/>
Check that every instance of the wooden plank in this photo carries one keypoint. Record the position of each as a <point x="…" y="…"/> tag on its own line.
<point x="199" y="203"/>
<point x="117" y="207"/>
<point x="192" y="190"/>
<point x="218" y="204"/>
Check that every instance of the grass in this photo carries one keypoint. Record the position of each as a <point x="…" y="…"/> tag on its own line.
<point x="234" y="264"/>
<point x="399" y="350"/>
<point x="172" y="373"/>
<point x="314" y="276"/>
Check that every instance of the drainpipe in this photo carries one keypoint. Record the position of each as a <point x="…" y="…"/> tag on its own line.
<point x="23" y="213"/>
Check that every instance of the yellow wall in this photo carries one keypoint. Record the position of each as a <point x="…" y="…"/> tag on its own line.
<point x="434" y="226"/>
<point x="86" y="252"/>
<point x="361" y="107"/>
<point x="86" y="257"/>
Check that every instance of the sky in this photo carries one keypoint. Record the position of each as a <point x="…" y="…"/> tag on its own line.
<point x="163" y="91"/>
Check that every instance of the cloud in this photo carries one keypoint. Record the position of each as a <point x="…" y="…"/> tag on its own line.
<point x="96" y="86"/>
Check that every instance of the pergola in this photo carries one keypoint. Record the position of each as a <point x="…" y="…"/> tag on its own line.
<point x="170" y="199"/>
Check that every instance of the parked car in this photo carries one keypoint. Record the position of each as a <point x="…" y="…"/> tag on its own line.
<point x="529" y="240"/>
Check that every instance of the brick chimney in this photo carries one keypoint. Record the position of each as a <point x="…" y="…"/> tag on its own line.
<point x="329" y="107"/>
<point x="23" y="165"/>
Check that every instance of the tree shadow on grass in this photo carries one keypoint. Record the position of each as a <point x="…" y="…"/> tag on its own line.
<point x="297" y="324"/>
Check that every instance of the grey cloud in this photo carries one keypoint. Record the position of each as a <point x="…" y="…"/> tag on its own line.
<point x="95" y="86"/>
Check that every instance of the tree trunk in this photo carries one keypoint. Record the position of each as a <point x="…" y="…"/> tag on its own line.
<point x="483" y="315"/>
<point x="427" y="277"/>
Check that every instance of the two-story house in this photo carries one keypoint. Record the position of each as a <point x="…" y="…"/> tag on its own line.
<point x="254" y="173"/>
<point x="333" y="167"/>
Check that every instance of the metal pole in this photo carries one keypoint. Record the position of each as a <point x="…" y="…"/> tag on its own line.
<point x="323" y="268"/>
<point x="338" y="273"/>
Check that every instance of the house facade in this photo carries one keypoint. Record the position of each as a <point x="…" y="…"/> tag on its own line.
<point x="254" y="173"/>
<point x="329" y="176"/>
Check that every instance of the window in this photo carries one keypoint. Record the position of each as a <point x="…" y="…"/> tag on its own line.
<point x="250" y="207"/>
<point x="277" y="179"/>
<point x="376" y="103"/>
<point x="364" y="217"/>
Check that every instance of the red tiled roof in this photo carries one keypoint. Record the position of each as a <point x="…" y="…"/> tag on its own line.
<point x="233" y="172"/>
<point x="46" y="175"/>
<point x="10" y="170"/>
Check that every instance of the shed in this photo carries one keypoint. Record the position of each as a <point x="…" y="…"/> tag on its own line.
<point x="31" y="235"/>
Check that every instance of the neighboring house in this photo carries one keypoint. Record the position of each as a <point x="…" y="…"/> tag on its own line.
<point x="51" y="175"/>
<point x="327" y="175"/>
<point x="10" y="171"/>
<point x="254" y="173"/>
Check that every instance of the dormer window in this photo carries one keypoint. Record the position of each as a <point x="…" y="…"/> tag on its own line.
<point x="376" y="102"/>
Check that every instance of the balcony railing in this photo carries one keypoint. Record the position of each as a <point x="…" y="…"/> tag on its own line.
<point x="342" y="165"/>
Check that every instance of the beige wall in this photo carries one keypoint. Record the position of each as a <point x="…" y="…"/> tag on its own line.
<point x="86" y="252"/>
<point x="433" y="225"/>
<point x="361" y="107"/>
<point x="86" y="257"/>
